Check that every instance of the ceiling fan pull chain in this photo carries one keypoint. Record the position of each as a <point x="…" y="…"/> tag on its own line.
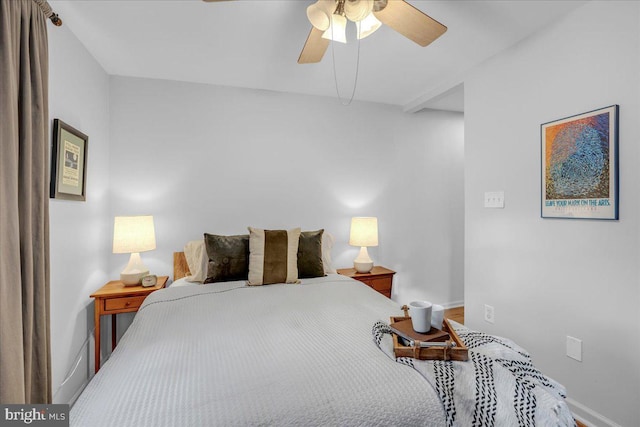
<point x="335" y="74"/>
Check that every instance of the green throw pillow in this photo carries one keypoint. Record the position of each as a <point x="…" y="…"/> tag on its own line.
<point x="228" y="257"/>
<point x="310" y="254"/>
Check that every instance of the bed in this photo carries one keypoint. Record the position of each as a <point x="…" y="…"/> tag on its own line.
<point x="287" y="354"/>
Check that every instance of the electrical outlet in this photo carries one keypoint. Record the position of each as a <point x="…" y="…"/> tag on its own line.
<point x="574" y="348"/>
<point x="488" y="313"/>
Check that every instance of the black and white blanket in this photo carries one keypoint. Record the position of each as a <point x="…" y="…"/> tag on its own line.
<point x="497" y="386"/>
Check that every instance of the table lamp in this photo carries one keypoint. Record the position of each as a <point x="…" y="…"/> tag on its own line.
<point x="132" y="235"/>
<point x="364" y="233"/>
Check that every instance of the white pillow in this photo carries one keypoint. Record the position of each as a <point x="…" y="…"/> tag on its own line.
<point x="327" y="245"/>
<point x="197" y="259"/>
<point x="181" y="282"/>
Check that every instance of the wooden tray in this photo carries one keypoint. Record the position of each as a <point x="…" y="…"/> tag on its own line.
<point x="460" y="352"/>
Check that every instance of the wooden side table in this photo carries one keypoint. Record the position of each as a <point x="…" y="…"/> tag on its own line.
<point x="379" y="278"/>
<point x="114" y="298"/>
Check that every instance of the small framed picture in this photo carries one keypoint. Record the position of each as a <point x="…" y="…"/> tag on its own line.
<point x="580" y="166"/>
<point x="68" y="162"/>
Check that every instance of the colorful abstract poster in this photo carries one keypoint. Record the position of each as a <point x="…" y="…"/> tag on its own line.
<point x="580" y="166"/>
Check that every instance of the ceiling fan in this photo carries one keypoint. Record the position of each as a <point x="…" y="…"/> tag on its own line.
<point x="328" y="18"/>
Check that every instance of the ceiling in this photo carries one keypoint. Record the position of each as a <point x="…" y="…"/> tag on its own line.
<point x="256" y="43"/>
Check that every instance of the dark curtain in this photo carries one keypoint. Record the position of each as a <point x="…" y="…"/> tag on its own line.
<point x="25" y="359"/>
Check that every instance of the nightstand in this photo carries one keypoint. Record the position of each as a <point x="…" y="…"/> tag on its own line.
<point x="379" y="278"/>
<point x="114" y="298"/>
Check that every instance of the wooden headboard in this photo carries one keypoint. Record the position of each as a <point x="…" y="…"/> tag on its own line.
<point x="180" y="266"/>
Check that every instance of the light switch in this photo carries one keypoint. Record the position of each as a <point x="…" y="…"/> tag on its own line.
<point x="494" y="199"/>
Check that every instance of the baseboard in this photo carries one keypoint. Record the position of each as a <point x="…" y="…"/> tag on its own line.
<point x="78" y="376"/>
<point x="75" y="397"/>
<point x="588" y="416"/>
<point x="453" y="304"/>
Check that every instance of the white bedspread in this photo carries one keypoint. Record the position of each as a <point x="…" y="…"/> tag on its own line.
<point x="228" y="354"/>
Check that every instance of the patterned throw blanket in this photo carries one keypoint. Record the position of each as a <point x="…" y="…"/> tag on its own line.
<point x="497" y="386"/>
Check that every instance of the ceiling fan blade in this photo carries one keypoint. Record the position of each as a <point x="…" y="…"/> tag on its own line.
<point x="410" y="22"/>
<point x="314" y="48"/>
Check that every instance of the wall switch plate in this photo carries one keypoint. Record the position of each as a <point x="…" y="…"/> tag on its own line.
<point x="494" y="199"/>
<point x="488" y="313"/>
<point x="574" y="348"/>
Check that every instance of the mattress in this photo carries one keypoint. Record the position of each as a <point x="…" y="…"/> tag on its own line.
<point x="286" y="354"/>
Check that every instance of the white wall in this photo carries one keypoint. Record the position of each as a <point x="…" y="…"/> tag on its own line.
<point x="549" y="278"/>
<point x="213" y="159"/>
<point x="79" y="96"/>
<point x="425" y="207"/>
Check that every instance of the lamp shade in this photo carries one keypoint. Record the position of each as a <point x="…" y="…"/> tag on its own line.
<point x="357" y="10"/>
<point x="368" y="26"/>
<point x="337" y="30"/>
<point x="364" y="231"/>
<point x="133" y="234"/>
<point x="320" y="12"/>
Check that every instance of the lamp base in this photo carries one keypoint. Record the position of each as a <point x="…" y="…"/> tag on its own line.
<point x="134" y="271"/>
<point x="363" y="267"/>
<point x="363" y="263"/>
<point x="133" y="279"/>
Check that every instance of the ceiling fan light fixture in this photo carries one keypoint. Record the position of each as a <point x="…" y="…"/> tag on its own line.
<point x="337" y="30"/>
<point x="319" y="14"/>
<point x="368" y="26"/>
<point x="357" y="10"/>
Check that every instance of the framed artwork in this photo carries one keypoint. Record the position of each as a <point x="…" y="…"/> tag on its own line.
<point x="580" y="166"/>
<point x="68" y="162"/>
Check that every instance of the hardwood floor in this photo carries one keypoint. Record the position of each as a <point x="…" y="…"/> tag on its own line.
<point x="455" y="313"/>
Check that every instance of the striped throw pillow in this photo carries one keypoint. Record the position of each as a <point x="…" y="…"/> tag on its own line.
<point x="273" y="256"/>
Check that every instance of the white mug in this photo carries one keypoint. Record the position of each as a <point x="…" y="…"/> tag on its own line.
<point x="437" y="316"/>
<point x="420" y="312"/>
